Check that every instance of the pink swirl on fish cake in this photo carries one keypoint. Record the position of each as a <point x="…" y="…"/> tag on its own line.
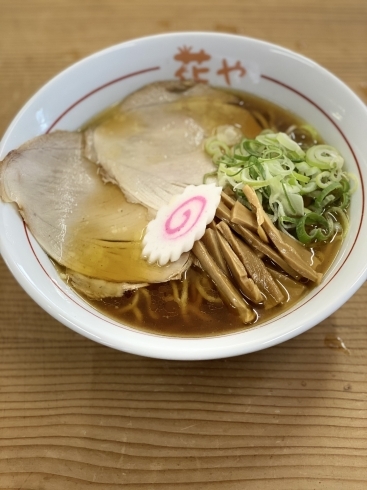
<point x="180" y="223"/>
<point x="187" y="218"/>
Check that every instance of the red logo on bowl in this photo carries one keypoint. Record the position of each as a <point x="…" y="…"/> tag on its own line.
<point x="193" y="66"/>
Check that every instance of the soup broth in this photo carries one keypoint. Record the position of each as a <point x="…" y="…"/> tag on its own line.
<point x="122" y="207"/>
<point x="156" y="308"/>
<point x="192" y="307"/>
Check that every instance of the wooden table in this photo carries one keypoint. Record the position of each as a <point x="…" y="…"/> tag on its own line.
<point x="76" y="415"/>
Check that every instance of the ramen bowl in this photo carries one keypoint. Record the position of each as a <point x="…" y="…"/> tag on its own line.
<point x="291" y="81"/>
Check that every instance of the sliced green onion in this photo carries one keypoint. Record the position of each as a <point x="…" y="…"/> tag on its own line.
<point x="228" y="161"/>
<point x="354" y="179"/>
<point x="241" y="158"/>
<point x="320" y="200"/>
<point x="320" y="230"/>
<point x="311" y="130"/>
<point x="288" y="200"/>
<point x="343" y="218"/>
<point x="287" y="179"/>
<point x="253" y="147"/>
<point x="345" y="200"/>
<point x="287" y="222"/>
<point x="323" y="179"/>
<point x="271" y="153"/>
<point x="336" y="174"/>
<point x="324" y="157"/>
<point x="236" y="172"/>
<point x="300" y="177"/>
<point x="290" y="144"/>
<point x="294" y="157"/>
<point x="213" y="145"/>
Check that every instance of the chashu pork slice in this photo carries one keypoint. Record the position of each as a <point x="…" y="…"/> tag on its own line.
<point x="98" y="288"/>
<point x="152" y="145"/>
<point x="82" y="223"/>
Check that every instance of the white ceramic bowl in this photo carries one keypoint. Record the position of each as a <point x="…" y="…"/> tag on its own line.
<point x="269" y="71"/>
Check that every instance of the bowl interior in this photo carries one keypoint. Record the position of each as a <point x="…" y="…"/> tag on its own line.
<point x="97" y="82"/>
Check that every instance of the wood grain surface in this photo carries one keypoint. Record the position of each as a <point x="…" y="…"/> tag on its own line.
<point x="76" y="415"/>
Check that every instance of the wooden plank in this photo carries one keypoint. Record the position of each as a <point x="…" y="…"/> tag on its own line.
<point x="77" y="415"/>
